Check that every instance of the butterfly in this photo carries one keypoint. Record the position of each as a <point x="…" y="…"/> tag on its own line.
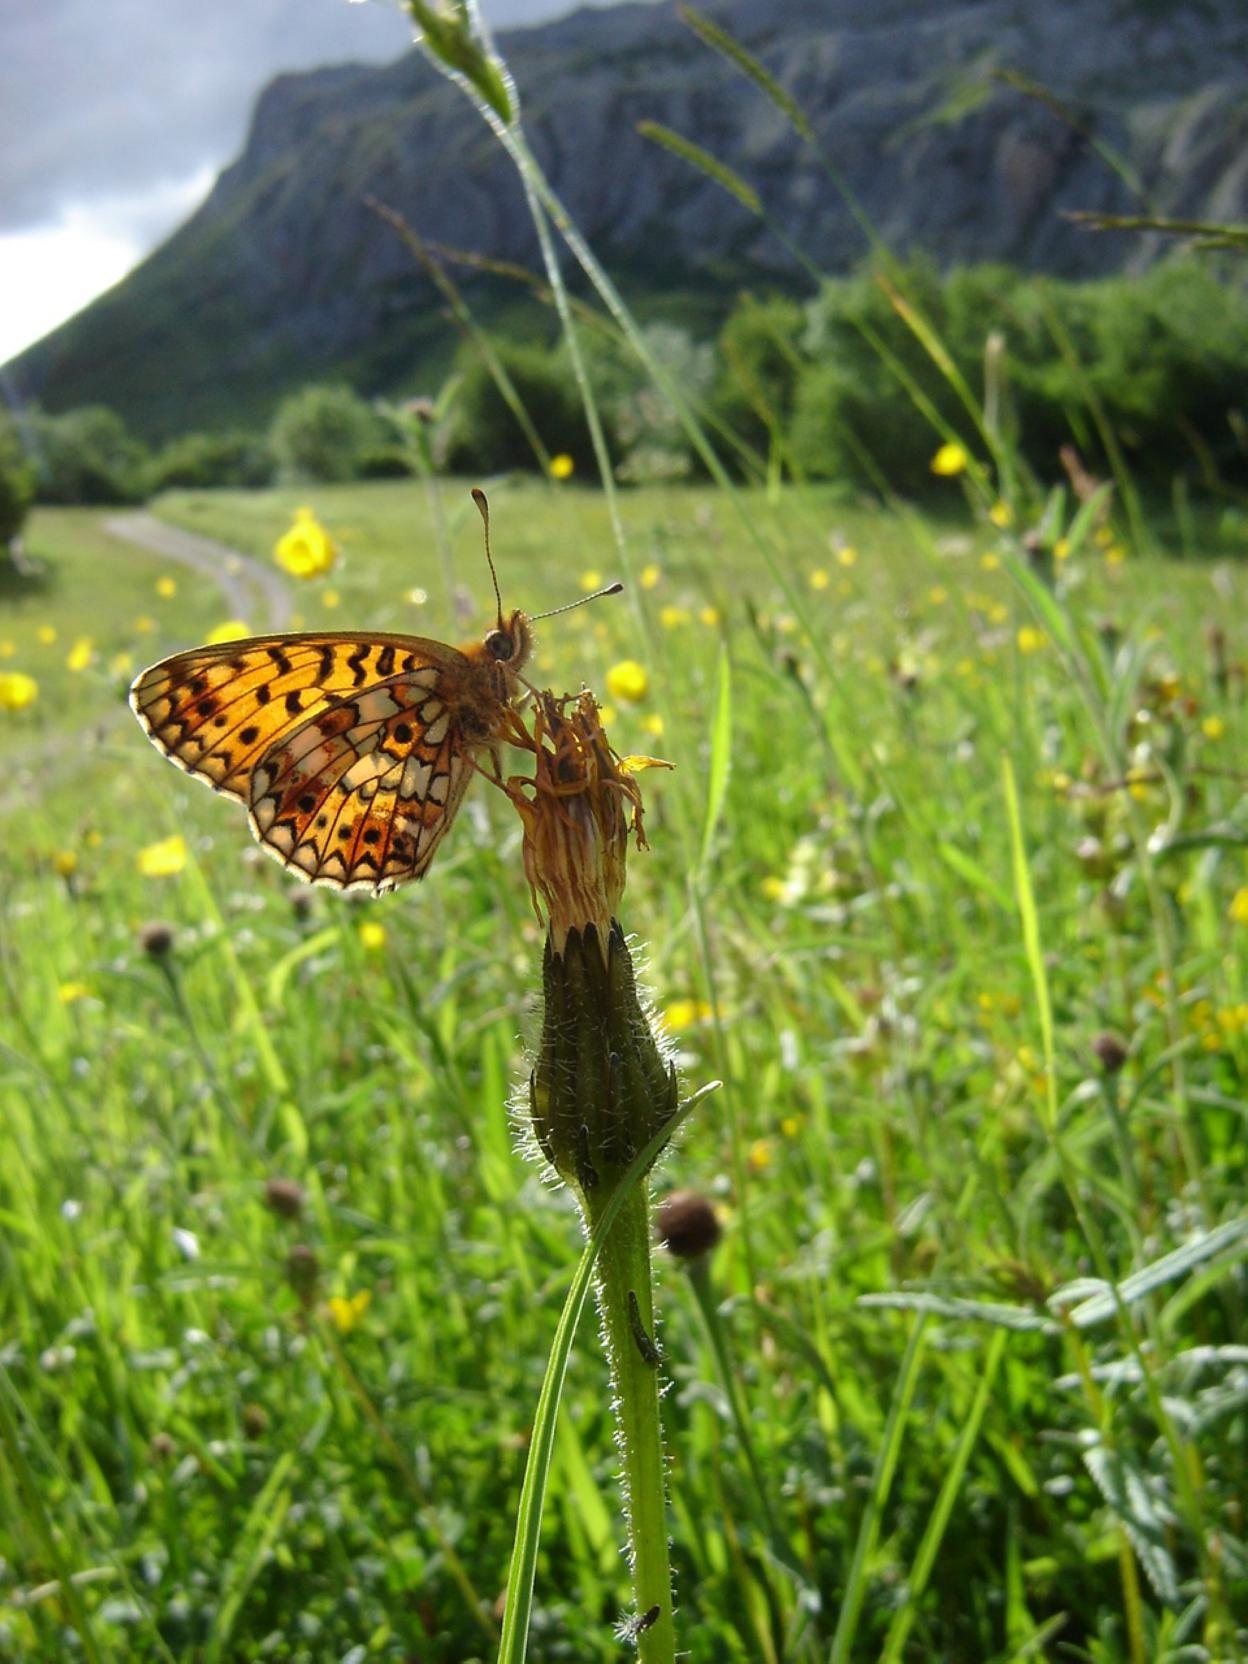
<point x="351" y="751"/>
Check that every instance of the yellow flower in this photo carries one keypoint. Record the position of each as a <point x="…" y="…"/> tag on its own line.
<point x="1031" y="640"/>
<point x="17" y="690"/>
<point x="1213" y="727"/>
<point x="682" y="1014"/>
<point x="80" y="654"/>
<point x="233" y="629"/>
<point x="709" y="616"/>
<point x="627" y="681"/>
<point x="347" y="1314"/>
<point x="819" y="578"/>
<point x="7" y="648"/>
<point x="1115" y="554"/>
<point x="1061" y="550"/>
<point x="671" y="618"/>
<point x="330" y="598"/>
<point x="998" y="612"/>
<point x="164" y="859"/>
<point x="847" y="556"/>
<point x="773" y="888"/>
<point x="69" y="992"/>
<point x="1237" y="913"/>
<point x="46" y="634"/>
<point x="591" y="580"/>
<point x="653" y="725"/>
<point x="166" y="588"/>
<point x="650" y="576"/>
<point x="1001" y="514"/>
<point x="790" y="1126"/>
<point x="305" y="551"/>
<point x="938" y="595"/>
<point x="1103" y="536"/>
<point x="121" y="664"/>
<point x="760" y="1154"/>
<point x="143" y="625"/>
<point x="562" y="466"/>
<point x="373" y="935"/>
<point x="418" y="597"/>
<point x="65" y="863"/>
<point x="949" y="460"/>
<point x="990" y="562"/>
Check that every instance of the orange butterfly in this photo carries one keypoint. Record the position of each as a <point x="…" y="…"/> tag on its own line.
<point x="352" y="752"/>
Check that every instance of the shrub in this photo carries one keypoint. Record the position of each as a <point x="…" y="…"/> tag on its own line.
<point x="325" y="433"/>
<point x="86" y="456"/>
<point x="202" y="461"/>
<point x="484" y="433"/>
<point x="17" y="483"/>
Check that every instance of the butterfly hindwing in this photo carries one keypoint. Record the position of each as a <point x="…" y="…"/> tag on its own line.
<point x="360" y="793"/>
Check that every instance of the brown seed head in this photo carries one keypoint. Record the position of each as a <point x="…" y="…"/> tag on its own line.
<point x="302" y="1271"/>
<point x="685" y="1224"/>
<point x="156" y="939"/>
<point x="1111" y="1054"/>
<point x="284" y="1197"/>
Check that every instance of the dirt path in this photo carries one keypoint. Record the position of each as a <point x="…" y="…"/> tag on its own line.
<point x="252" y="592"/>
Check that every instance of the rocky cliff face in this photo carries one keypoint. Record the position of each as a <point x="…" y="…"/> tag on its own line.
<point x="284" y="275"/>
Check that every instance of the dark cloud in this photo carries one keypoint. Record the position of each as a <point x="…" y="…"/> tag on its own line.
<point x="108" y="98"/>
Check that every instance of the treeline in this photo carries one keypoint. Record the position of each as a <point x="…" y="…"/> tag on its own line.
<point x="854" y="385"/>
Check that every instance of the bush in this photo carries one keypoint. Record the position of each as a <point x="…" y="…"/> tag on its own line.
<point x="325" y="433"/>
<point x="86" y="456"/>
<point x="203" y="461"/>
<point x="485" y="435"/>
<point x="17" y="483"/>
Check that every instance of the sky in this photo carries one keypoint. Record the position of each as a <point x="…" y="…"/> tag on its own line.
<point x="117" y="115"/>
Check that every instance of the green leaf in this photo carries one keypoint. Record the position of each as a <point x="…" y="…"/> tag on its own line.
<point x="1165" y="1270"/>
<point x="980" y="1311"/>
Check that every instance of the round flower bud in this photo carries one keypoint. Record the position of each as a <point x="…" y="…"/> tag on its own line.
<point x="685" y="1224"/>
<point x="284" y="1197"/>
<point x="1111" y="1054"/>
<point x="156" y="939"/>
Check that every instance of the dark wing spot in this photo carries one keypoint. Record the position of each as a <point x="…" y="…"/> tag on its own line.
<point x="403" y="734"/>
<point x="326" y="664"/>
<point x="249" y="735"/>
<point x="410" y="662"/>
<point x="264" y="694"/>
<point x="294" y="702"/>
<point x="344" y="832"/>
<point x="219" y="722"/>
<point x="322" y="821"/>
<point x="280" y="660"/>
<point x="372" y="834"/>
<point x="307" y="803"/>
<point x="198" y="686"/>
<point x="385" y="660"/>
<point x="357" y="661"/>
<point x="208" y="707"/>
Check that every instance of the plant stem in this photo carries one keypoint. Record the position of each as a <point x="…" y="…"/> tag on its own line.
<point x="626" y="1305"/>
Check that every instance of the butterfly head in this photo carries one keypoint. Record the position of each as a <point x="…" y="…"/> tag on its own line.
<point x="509" y="643"/>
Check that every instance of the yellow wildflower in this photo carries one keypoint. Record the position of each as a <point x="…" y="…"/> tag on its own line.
<point x="305" y="551"/>
<point x="1103" y="536"/>
<point x="80" y="654"/>
<point x="682" y="1014"/>
<point x="950" y="459"/>
<point x="650" y="576"/>
<point x="17" y="690"/>
<point x="998" y="612"/>
<point x="709" y="616"/>
<point x="653" y="725"/>
<point x="164" y="859"/>
<point x="65" y="863"/>
<point x="1001" y="514"/>
<point x="671" y="618"/>
<point x="1031" y="640"/>
<point x="990" y="562"/>
<point x="847" y="556"/>
<point x="562" y="466"/>
<point x="760" y="1154"/>
<point x="7" y="648"/>
<point x="166" y="588"/>
<point x="232" y="629"/>
<point x="591" y="580"/>
<point x="373" y="935"/>
<point x="819" y="578"/>
<point x="46" y="634"/>
<point x="628" y="681"/>
<point x="347" y="1314"/>
<point x="790" y="1126"/>
<point x="1115" y="554"/>
<point x="69" y="992"/>
<point x="417" y="596"/>
<point x="1213" y="727"/>
<point x="143" y="625"/>
<point x="330" y="598"/>
<point x="121" y="664"/>
<point x="1061" y="550"/>
<point x="937" y="595"/>
<point x="773" y="888"/>
<point x="1237" y="913"/>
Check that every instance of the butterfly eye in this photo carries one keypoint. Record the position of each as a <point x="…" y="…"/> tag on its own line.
<point x="500" y="645"/>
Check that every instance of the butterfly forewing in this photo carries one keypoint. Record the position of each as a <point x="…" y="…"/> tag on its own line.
<point x="351" y="752"/>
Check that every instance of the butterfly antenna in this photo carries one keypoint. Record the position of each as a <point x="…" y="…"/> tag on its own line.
<point x="611" y="589"/>
<point x="482" y="501"/>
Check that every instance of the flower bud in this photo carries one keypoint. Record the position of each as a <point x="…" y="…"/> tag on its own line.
<point x="156" y="939"/>
<point x="284" y="1197"/>
<point x="685" y="1224"/>
<point x="1111" y="1054"/>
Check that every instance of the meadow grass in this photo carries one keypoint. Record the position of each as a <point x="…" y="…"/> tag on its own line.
<point x="923" y="897"/>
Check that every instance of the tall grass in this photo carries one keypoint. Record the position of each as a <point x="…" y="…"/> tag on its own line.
<point x="948" y="886"/>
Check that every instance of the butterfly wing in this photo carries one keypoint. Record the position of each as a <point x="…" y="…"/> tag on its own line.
<point x="360" y="794"/>
<point x="215" y="711"/>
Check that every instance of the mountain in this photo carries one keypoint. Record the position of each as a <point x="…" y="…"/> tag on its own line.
<point x="284" y="275"/>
